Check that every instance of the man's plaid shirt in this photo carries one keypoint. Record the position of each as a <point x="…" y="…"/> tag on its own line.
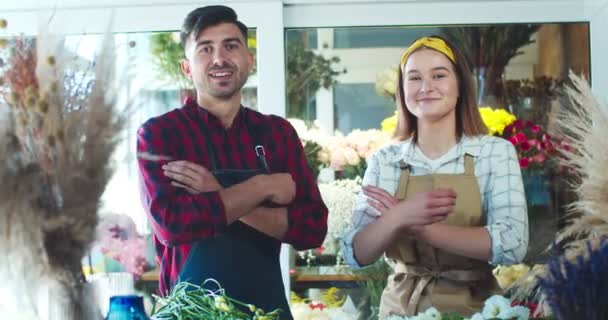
<point x="178" y="218"/>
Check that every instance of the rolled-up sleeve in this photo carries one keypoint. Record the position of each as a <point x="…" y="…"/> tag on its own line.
<point x="363" y="213"/>
<point x="505" y="204"/>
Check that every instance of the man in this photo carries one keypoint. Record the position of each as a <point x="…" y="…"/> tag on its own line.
<point x="233" y="183"/>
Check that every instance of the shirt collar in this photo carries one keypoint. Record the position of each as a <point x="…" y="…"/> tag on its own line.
<point x="210" y="119"/>
<point x="470" y="145"/>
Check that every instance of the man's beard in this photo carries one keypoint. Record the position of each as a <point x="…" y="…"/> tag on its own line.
<point x="227" y="94"/>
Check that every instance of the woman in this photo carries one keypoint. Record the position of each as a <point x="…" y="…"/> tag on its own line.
<point x="444" y="201"/>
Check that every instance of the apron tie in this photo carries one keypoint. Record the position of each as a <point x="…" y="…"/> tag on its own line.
<point x="426" y="275"/>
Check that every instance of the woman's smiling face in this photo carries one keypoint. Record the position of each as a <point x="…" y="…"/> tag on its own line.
<point x="430" y="85"/>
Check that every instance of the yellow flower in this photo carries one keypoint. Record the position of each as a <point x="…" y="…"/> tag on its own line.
<point x="220" y="304"/>
<point x="507" y="275"/>
<point x="389" y="124"/>
<point x="3" y="23"/>
<point x="50" y="60"/>
<point x="496" y="119"/>
<point x="252" y="43"/>
<point x="331" y="298"/>
<point x="386" y="82"/>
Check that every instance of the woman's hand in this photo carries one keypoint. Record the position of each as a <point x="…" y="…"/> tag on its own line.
<point x="379" y="199"/>
<point x="422" y="209"/>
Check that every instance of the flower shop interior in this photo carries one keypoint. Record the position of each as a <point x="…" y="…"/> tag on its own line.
<point x="523" y="53"/>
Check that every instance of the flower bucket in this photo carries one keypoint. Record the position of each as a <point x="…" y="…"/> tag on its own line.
<point x="537" y="188"/>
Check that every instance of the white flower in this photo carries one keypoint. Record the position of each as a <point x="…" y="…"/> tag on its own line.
<point x="299" y="125"/>
<point x="317" y="314"/>
<point x="300" y="311"/>
<point x="517" y="312"/>
<point x="352" y="157"/>
<point x="433" y="313"/>
<point x="495" y="307"/>
<point x="339" y="196"/>
<point x="339" y="314"/>
<point x="477" y="316"/>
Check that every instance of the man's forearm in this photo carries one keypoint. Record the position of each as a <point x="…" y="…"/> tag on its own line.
<point x="270" y="221"/>
<point x="241" y="199"/>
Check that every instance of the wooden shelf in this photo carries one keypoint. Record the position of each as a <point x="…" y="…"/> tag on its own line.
<point x="328" y="277"/>
<point x="300" y="281"/>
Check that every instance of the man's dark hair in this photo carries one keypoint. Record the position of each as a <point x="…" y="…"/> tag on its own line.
<point x="201" y="18"/>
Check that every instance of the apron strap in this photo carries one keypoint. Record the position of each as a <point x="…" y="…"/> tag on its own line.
<point x="403" y="179"/>
<point x="426" y="275"/>
<point x="469" y="165"/>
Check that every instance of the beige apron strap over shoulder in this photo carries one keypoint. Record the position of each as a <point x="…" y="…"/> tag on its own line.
<point x="403" y="179"/>
<point x="469" y="165"/>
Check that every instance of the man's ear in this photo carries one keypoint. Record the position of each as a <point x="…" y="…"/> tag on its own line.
<point x="185" y="64"/>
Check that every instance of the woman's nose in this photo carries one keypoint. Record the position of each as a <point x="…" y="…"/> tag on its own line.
<point x="427" y="85"/>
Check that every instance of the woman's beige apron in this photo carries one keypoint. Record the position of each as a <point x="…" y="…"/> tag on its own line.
<point x="424" y="276"/>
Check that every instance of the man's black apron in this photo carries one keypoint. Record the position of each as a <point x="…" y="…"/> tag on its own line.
<point x="243" y="260"/>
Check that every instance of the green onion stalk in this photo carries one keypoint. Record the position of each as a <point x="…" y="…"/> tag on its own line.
<point x="188" y="301"/>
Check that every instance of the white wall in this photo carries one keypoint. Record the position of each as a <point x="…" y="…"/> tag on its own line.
<point x="599" y="52"/>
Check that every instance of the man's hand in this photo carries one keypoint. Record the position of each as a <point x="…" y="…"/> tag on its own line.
<point x="191" y="176"/>
<point x="283" y="188"/>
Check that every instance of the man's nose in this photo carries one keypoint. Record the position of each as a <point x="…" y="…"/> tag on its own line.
<point x="219" y="57"/>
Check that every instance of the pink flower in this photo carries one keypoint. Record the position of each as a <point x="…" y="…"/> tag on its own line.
<point x="533" y="142"/>
<point x="525" y="146"/>
<point x="513" y="140"/>
<point x="535" y="128"/>
<point x="524" y="162"/>
<point x="546" y="137"/>
<point x="520" y="137"/>
<point x="518" y="124"/>
<point x="539" y="158"/>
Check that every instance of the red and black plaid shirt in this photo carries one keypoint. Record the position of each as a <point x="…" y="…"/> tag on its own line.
<point x="178" y="218"/>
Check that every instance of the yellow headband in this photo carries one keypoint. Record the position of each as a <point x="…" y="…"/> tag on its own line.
<point x="429" y="42"/>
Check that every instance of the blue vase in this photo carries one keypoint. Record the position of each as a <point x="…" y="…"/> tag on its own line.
<point x="537" y="188"/>
<point x="129" y="307"/>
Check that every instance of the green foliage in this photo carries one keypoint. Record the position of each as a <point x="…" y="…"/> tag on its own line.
<point x="375" y="276"/>
<point x="306" y="73"/>
<point x="191" y="302"/>
<point x="168" y="53"/>
<point x="352" y="172"/>
<point x="311" y="151"/>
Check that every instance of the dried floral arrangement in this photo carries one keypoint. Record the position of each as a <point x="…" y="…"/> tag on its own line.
<point x="489" y="48"/>
<point x="584" y="122"/>
<point x="59" y="128"/>
<point x="533" y="98"/>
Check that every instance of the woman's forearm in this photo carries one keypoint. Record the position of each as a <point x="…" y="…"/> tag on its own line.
<point x="464" y="241"/>
<point x="371" y="242"/>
